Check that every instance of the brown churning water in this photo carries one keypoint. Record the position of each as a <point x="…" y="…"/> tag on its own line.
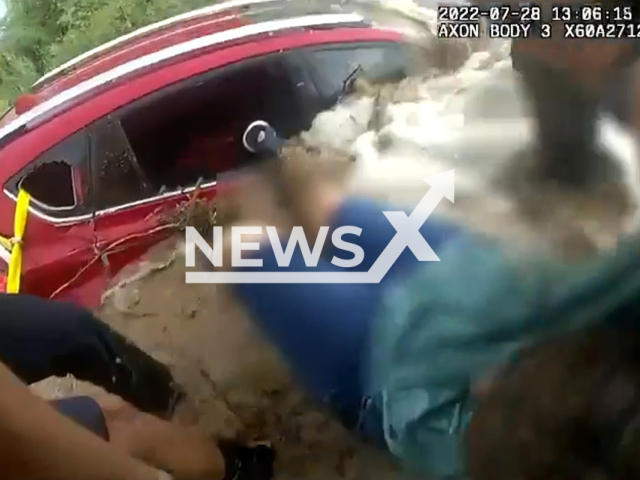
<point x="475" y="118"/>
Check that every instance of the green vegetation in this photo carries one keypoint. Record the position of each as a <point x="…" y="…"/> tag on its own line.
<point x="38" y="35"/>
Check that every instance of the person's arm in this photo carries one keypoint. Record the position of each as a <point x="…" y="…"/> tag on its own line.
<point x="37" y="442"/>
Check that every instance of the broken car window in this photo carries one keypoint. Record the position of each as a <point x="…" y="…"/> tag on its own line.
<point x="57" y="180"/>
<point x="51" y="184"/>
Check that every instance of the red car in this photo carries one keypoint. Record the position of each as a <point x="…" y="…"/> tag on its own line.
<point x="108" y="142"/>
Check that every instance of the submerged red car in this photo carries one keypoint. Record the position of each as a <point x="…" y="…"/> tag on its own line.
<point x="110" y="141"/>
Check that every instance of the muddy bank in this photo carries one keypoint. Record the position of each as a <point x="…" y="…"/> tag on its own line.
<point x="236" y="383"/>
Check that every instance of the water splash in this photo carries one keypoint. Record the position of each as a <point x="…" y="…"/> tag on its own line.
<point x="464" y="108"/>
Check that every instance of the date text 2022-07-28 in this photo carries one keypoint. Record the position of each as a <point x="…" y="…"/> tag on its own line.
<point x="510" y="21"/>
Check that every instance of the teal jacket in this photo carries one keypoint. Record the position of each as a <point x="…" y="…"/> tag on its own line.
<point x="456" y="320"/>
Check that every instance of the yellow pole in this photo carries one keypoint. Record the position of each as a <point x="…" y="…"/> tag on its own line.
<point x="19" y="227"/>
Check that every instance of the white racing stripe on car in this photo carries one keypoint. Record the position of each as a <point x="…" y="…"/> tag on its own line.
<point x="201" y="12"/>
<point x="174" y="51"/>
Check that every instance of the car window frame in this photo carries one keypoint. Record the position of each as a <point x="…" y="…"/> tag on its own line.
<point x="81" y="206"/>
<point x="287" y="64"/>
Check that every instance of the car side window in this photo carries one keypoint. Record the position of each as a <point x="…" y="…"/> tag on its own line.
<point x="58" y="179"/>
<point x="189" y="132"/>
<point x="383" y="61"/>
<point x="38" y="184"/>
<point x="114" y="167"/>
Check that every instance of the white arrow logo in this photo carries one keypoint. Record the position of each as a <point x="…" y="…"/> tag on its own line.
<point x="407" y="236"/>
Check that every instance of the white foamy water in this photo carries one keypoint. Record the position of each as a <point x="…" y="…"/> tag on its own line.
<point x="470" y="120"/>
<point x="473" y="119"/>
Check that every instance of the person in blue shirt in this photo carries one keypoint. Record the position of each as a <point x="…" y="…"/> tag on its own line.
<point x="401" y="362"/>
<point x="397" y="362"/>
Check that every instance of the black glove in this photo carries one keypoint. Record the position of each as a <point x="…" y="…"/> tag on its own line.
<point x="243" y="462"/>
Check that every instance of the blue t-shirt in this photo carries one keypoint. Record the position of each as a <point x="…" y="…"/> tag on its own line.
<point x="455" y="321"/>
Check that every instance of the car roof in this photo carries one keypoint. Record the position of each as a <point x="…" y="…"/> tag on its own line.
<point x="213" y="19"/>
<point x="213" y="13"/>
<point x="213" y="27"/>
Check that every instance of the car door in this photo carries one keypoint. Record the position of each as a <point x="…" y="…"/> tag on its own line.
<point x="129" y="216"/>
<point x="60" y="237"/>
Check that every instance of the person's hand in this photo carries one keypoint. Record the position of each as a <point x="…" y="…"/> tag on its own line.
<point x="186" y="452"/>
<point x="38" y="442"/>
